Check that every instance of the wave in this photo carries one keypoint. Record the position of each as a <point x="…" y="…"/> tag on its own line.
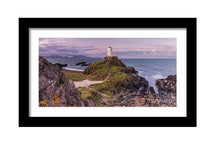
<point x="157" y="76"/>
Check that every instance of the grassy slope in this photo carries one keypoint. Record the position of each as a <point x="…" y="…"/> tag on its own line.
<point x="100" y="70"/>
<point x="115" y="82"/>
<point x="90" y="92"/>
<point x="97" y="71"/>
<point x="74" y="76"/>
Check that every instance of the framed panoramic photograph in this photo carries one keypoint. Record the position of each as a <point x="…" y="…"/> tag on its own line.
<point x="107" y="72"/>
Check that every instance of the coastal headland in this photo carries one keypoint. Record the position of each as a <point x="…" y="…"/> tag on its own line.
<point x="105" y="83"/>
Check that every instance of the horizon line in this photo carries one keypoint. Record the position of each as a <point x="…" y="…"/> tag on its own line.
<point x="103" y="57"/>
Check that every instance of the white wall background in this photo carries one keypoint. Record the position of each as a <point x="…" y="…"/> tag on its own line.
<point x="205" y="135"/>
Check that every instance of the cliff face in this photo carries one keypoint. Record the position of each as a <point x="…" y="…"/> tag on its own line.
<point x="54" y="88"/>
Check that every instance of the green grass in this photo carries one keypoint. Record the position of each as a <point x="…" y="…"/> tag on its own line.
<point x="90" y="92"/>
<point x="97" y="71"/>
<point x="85" y="92"/>
<point x="75" y="76"/>
<point x="115" y="82"/>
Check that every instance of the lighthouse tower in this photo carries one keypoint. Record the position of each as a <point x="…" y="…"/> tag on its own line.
<point x="109" y="51"/>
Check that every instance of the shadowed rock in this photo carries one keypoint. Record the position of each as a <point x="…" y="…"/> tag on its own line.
<point x="130" y="70"/>
<point x="151" y="93"/>
<point x="61" y="65"/>
<point x="54" y="88"/>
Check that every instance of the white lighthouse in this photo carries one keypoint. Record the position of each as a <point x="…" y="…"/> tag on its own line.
<point x="109" y="51"/>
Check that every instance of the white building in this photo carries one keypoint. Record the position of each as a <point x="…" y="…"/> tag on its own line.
<point x="109" y="51"/>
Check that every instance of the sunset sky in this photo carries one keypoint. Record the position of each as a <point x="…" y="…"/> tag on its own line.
<point x="143" y="48"/>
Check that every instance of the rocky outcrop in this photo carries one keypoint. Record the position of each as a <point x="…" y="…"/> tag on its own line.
<point x="130" y="70"/>
<point x="141" y="91"/>
<point x="54" y="88"/>
<point x="167" y="87"/>
<point x="135" y="82"/>
<point x="61" y="65"/>
<point x="151" y="93"/>
<point x="82" y="64"/>
<point x="168" y="84"/>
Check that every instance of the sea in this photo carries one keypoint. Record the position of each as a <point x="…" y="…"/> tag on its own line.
<point x="150" y="69"/>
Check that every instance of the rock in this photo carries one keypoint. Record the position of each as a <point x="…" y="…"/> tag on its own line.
<point x="142" y="100"/>
<point x="82" y="64"/>
<point x="135" y="82"/>
<point x="86" y="64"/>
<point x="121" y="97"/>
<point x="54" y="88"/>
<point x="141" y="91"/>
<point x="130" y="70"/>
<point x="90" y="102"/>
<point x="114" y="91"/>
<point x="61" y="65"/>
<point x="167" y="86"/>
<point x="151" y="93"/>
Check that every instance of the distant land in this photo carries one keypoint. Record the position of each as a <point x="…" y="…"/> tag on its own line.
<point x="83" y="56"/>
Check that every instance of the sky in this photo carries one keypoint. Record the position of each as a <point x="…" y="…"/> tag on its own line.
<point x="135" y="48"/>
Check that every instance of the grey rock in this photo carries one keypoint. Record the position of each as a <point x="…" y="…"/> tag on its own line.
<point x="54" y="84"/>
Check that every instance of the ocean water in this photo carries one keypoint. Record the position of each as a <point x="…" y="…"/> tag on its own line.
<point x="150" y="69"/>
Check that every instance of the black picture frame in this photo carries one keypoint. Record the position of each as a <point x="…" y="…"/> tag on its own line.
<point x="26" y="23"/>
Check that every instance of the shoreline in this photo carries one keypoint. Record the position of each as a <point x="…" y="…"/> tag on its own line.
<point x="72" y="70"/>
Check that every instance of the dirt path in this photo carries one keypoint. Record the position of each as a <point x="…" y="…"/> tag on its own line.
<point x="86" y="83"/>
<point x="109" y="73"/>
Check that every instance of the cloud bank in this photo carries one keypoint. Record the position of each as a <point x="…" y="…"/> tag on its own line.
<point x="122" y="47"/>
